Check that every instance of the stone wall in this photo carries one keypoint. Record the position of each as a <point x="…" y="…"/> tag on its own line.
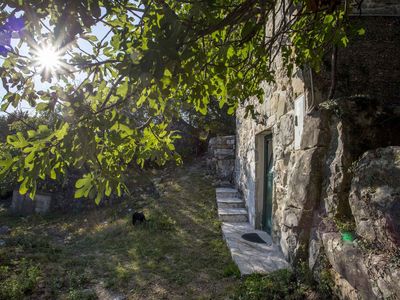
<point x="369" y="65"/>
<point x="378" y="8"/>
<point x="316" y="194"/>
<point x="371" y="263"/>
<point x="45" y="203"/>
<point x="53" y="197"/>
<point x="221" y="158"/>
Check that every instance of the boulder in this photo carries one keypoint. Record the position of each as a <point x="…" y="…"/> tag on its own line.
<point x="315" y="131"/>
<point x="375" y="196"/>
<point x="348" y="261"/>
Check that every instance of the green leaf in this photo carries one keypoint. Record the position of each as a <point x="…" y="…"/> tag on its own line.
<point x="230" y="52"/>
<point x="53" y="174"/>
<point x="23" y="189"/>
<point x="31" y="133"/>
<point x="344" y="40"/>
<point x="62" y="132"/>
<point x="108" y="189"/>
<point x="159" y="18"/>
<point x="98" y="198"/>
<point x="42" y="106"/>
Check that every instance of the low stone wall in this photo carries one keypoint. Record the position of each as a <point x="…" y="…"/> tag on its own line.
<point x="24" y="205"/>
<point x="221" y="158"/>
<point x="61" y="198"/>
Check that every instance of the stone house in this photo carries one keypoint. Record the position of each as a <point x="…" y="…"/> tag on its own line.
<point x="311" y="171"/>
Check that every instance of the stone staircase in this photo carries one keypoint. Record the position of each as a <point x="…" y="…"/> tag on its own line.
<point x="231" y="207"/>
<point x="250" y="257"/>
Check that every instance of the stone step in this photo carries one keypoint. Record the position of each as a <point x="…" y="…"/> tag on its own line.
<point x="224" y="192"/>
<point x="234" y="215"/>
<point x="230" y="203"/>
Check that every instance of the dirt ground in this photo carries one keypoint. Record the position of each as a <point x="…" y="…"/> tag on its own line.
<point x="177" y="254"/>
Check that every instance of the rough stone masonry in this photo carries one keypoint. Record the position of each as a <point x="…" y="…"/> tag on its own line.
<point x="343" y="174"/>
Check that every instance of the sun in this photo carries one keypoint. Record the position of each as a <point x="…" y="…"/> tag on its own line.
<point x="48" y="60"/>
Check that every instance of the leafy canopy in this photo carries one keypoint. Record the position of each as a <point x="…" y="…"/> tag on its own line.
<point x="130" y="67"/>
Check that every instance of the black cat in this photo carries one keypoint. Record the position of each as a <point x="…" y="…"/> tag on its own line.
<point x="138" y="217"/>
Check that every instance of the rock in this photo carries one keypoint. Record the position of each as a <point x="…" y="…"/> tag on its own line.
<point x="385" y="274"/>
<point x="4" y="230"/>
<point x="348" y="261"/>
<point x="286" y="130"/>
<point x="24" y="205"/>
<point x="303" y="195"/>
<point x="343" y="288"/>
<point x="315" y="131"/>
<point x="375" y="196"/>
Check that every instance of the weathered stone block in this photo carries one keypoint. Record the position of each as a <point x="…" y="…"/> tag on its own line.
<point x="315" y="131"/>
<point x="286" y="130"/>
<point x="281" y="108"/>
<point x="347" y="260"/>
<point x="42" y="203"/>
<point x="304" y="188"/>
<point x="223" y="151"/>
<point x="375" y="196"/>
<point x="305" y="181"/>
<point x="24" y="205"/>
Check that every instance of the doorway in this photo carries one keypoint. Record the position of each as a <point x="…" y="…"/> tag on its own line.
<point x="268" y="184"/>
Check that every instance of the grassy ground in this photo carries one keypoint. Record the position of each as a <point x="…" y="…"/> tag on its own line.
<point x="178" y="254"/>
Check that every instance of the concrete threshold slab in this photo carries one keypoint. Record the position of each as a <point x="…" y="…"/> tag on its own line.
<point x="252" y="257"/>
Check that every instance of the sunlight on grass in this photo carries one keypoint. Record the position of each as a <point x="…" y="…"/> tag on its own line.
<point x="180" y="247"/>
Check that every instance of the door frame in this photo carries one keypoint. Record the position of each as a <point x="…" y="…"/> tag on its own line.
<point x="260" y="178"/>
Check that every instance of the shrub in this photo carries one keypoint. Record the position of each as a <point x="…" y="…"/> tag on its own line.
<point x="14" y="285"/>
<point x="8" y="180"/>
<point x="280" y="284"/>
<point x="82" y="295"/>
<point x="231" y="270"/>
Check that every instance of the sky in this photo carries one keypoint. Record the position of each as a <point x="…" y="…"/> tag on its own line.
<point x="99" y="30"/>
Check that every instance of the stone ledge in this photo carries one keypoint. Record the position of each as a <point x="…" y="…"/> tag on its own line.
<point x="232" y="211"/>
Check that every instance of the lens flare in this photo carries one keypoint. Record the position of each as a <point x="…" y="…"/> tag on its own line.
<point x="48" y="61"/>
<point x="48" y="58"/>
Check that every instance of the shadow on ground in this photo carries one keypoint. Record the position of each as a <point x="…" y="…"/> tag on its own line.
<point x="177" y="254"/>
